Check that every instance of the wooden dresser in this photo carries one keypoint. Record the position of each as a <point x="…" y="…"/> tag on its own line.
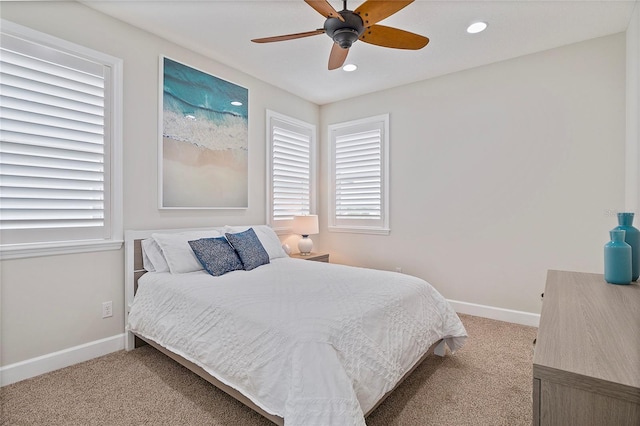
<point x="586" y="363"/>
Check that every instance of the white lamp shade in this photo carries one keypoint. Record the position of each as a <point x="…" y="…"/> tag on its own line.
<point x="306" y="225"/>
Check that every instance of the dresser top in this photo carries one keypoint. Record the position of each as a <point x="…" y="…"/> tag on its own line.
<point x="590" y="328"/>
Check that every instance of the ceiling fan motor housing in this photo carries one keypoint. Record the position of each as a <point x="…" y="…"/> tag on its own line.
<point x="347" y="32"/>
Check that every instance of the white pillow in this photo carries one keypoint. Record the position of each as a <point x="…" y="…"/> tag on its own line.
<point x="177" y="251"/>
<point x="267" y="237"/>
<point x="152" y="258"/>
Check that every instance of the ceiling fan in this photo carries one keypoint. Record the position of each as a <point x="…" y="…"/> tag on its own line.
<point x="346" y="27"/>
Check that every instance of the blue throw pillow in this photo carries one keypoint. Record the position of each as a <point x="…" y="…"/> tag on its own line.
<point x="216" y="255"/>
<point x="249" y="248"/>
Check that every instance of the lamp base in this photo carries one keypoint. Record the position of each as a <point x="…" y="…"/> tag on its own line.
<point x="305" y="245"/>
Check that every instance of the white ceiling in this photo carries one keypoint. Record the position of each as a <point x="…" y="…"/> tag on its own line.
<point x="222" y="30"/>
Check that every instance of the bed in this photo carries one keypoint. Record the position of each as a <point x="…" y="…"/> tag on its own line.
<point x="300" y="342"/>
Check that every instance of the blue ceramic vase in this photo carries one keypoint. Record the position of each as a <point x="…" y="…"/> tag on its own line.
<point x="631" y="237"/>
<point x="617" y="259"/>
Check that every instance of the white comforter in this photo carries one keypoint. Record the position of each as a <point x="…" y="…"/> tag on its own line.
<point x="315" y="343"/>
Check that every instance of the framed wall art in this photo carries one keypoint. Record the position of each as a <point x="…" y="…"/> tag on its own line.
<point x="203" y="153"/>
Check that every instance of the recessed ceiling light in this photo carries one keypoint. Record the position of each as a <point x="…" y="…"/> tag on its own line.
<point x="476" y="27"/>
<point x="350" y="67"/>
<point x="236" y="103"/>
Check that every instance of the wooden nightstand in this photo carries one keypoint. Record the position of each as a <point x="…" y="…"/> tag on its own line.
<point x="318" y="257"/>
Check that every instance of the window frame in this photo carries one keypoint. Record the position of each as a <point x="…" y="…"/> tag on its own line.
<point x="282" y="226"/>
<point x="360" y="226"/>
<point x="113" y="183"/>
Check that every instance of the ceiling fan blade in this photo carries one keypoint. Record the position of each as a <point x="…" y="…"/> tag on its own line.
<point x="324" y="8"/>
<point x="288" y="36"/>
<point x="393" y="37"/>
<point x="373" y="11"/>
<point x="337" y="57"/>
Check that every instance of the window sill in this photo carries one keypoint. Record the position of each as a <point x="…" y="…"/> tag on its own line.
<point x="19" y="251"/>
<point x="359" y="230"/>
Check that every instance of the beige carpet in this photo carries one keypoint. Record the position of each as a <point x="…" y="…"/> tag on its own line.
<point x="487" y="382"/>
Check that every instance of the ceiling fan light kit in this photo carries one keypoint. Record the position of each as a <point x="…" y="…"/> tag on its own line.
<point x="344" y="33"/>
<point x="346" y="27"/>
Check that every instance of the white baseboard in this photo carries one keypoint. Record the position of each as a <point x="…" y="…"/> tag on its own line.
<point x="43" y="364"/>
<point x="501" y="314"/>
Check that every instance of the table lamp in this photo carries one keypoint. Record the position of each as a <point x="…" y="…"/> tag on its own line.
<point x="305" y="226"/>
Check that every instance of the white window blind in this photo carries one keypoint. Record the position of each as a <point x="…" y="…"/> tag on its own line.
<point x="359" y="176"/>
<point x="55" y="144"/>
<point x="292" y="174"/>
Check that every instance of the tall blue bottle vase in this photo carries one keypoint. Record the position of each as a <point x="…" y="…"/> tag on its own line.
<point x="617" y="259"/>
<point x="631" y="237"/>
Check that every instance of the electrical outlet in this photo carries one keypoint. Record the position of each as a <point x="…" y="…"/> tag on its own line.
<point x="107" y="309"/>
<point x="398" y="269"/>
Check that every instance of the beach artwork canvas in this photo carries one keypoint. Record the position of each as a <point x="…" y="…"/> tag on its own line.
<point x="204" y="146"/>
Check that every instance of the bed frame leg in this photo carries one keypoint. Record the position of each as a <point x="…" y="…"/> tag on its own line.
<point x="129" y="341"/>
<point x="440" y="349"/>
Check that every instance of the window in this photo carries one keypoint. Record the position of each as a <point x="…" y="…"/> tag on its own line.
<point x="291" y="171"/>
<point x="359" y="173"/>
<point x="60" y="146"/>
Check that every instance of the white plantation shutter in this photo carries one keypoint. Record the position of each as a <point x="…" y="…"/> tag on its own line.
<point x="55" y="150"/>
<point x="292" y="175"/>
<point x="359" y="176"/>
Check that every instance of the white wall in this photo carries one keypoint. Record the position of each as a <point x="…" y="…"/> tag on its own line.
<point x="498" y="173"/>
<point x="54" y="303"/>
<point x="633" y="113"/>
